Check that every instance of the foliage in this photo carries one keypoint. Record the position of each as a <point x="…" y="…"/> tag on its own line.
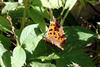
<point x="22" y="35"/>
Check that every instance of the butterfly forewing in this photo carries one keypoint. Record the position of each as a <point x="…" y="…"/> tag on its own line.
<point x="55" y="34"/>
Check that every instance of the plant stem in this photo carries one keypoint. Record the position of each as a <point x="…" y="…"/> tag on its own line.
<point x="14" y="36"/>
<point x="50" y="11"/>
<point x="62" y="10"/>
<point x="63" y="19"/>
<point x="24" y="14"/>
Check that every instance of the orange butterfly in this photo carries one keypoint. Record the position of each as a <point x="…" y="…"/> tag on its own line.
<point x="55" y="34"/>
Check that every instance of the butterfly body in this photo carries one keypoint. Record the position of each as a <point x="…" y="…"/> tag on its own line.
<point x="55" y="34"/>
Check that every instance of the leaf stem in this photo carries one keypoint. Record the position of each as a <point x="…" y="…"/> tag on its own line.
<point x="63" y="19"/>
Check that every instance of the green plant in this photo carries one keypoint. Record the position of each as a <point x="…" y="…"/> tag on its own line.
<point x="22" y="27"/>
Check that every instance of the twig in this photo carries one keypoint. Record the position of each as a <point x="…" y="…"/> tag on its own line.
<point x="13" y="30"/>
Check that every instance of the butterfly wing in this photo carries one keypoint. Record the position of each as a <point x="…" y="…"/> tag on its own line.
<point x="55" y="35"/>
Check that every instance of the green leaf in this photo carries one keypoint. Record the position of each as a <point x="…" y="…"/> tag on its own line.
<point x="20" y="2"/>
<point x="77" y="38"/>
<point x="69" y="4"/>
<point x="7" y="59"/>
<point x="76" y="56"/>
<point x="29" y="38"/>
<point x="84" y="36"/>
<point x="4" y="57"/>
<point x="4" y="24"/>
<point x="36" y="3"/>
<point x="52" y="3"/>
<point x="9" y="6"/>
<point x="36" y="15"/>
<point x="1" y="63"/>
<point x="37" y="64"/>
<point x="5" y="41"/>
<point x="43" y="52"/>
<point x="2" y="49"/>
<point x="19" y="57"/>
<point x="50" y="57"/>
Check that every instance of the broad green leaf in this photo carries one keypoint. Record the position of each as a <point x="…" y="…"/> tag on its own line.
<point x="1" y="63"/>
<point x="36" y="15"/>
<point x="4" y="24"/>
<point x="20" y="2"/>
<point x="2" y="49"/>
<point x="19" y="57"/>
<point x="29" y="37"/>
<point x="16" y="14"/>
<point x="84" y="36"/>
<point x="4" y="57"/>
<point x="43" y="52"/>
<point x="76" y="56"/>
<point x="36" y="3"/>
<point x="5" y="41"/>
<point x="37" y="64"/>
<point x="50" y="57"/>
<point x="52" y="3"/>
<point x="9" y="6"/>
<point x="7" y="59"/>
<point x="77" y="38"/>
<point x="69" y="4"/>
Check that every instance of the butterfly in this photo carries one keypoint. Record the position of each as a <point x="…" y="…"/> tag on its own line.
<point x="55" y="34"/>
